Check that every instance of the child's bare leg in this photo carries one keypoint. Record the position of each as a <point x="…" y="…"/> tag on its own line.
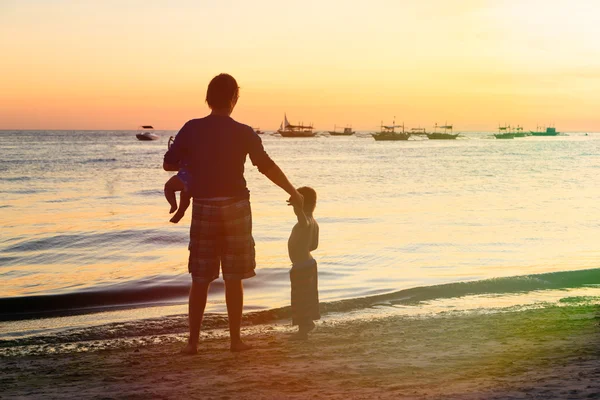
<point x="173" y="185"/>
<point x="184" y="203"/>
<point x="303" y="330"/>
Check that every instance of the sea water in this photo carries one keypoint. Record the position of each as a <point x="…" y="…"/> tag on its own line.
<point x="86" y="238"/>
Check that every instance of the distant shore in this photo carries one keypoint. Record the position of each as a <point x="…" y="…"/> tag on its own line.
<point x="545" y="353"/>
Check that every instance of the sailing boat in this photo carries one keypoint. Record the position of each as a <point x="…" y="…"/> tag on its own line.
<point x="442" y="135"/>
<point x="388" y="132"/>
<point x="288" y="130"/>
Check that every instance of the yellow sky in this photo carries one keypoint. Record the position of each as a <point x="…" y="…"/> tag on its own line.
<point x="118" y="64"/>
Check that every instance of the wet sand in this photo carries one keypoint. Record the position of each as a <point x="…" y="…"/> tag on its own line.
<point x="545" y="353"/>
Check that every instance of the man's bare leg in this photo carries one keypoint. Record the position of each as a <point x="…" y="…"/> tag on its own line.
<point x="234" y="297"/>
<point x="197" y="304"/>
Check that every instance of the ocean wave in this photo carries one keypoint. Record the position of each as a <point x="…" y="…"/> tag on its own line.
<point x="79" y="240"/>
<point x="150" y="290"/>
<point x="156" y="290"/>
<point x="16" y="179"/>
<point x="174" y="327"/>
<point x="152" y="192"/>
<point x="98" y="160"/>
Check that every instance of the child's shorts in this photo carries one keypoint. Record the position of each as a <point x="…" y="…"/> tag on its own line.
<point x="305" y="292"/>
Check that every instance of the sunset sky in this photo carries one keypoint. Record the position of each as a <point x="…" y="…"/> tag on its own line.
<point x="119" y="64"/>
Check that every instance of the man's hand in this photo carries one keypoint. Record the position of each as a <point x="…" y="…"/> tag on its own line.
<point x="296" y="200"/>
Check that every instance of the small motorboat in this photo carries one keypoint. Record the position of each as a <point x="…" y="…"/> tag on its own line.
<point x="146" y="133"/>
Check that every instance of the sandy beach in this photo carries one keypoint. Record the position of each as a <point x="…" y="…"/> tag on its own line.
<point x="544" y="353"/>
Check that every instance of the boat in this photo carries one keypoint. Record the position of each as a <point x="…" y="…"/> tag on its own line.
<point x="288" y="130"/>
<point x="146" y="133"/>
<point x="258" y="131"/>
<point x="518" y="132"/>
<point x="389" y="133"/>
<point x="418" y="131"/>
<point x="346" y="132"/>
<point x="504" y="133"/>
<point x="435" y="135"/>
<point x="547" y="132"/>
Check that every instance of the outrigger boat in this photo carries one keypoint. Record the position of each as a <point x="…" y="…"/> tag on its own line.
<point x="289" y="130"/>
<point x="418" y="131"/>
<point x="518" y="132"/>
<point x="388" y="133"/>
<point x="258" y="131"/>
<point x="547" y="132"/>
<point x="146" y="133"/>
<point x="435" y="135"/>
<point x="346" y="132"/>
<point x="504" y="133"/>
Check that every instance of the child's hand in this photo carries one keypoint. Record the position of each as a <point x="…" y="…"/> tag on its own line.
<point x="296" y="200"/>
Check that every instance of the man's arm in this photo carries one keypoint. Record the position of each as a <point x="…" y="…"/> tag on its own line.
<point x="276" y="175"/>
<point x="267" y="167"/>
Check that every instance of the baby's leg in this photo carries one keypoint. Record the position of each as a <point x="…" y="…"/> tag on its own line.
<point x="184" y="203"/>
<point x="173" y="185"/>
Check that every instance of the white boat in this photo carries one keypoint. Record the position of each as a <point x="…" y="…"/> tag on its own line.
<point x="145" y="133"/>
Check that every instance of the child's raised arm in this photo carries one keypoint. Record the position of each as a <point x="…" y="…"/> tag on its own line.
<point x="299" y="211"/>
<point x="315" y="239"/>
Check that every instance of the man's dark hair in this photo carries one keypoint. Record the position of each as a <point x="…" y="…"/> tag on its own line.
<point x="310" y="198"/>
<point x="222" y="91"/>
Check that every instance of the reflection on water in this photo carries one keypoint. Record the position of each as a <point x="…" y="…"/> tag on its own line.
<point x="85" y="209"/>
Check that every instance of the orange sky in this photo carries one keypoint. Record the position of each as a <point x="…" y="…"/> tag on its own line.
<point x="116" y="65"/>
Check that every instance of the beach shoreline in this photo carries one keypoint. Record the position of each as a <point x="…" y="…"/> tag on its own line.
<point x="548" y="352"/>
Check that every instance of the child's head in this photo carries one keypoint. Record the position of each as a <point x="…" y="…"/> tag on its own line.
<point x="310" y="198"/>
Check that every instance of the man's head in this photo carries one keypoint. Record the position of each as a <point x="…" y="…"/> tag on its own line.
<point x="222" y="93"/>
<point x="310" y="199"/>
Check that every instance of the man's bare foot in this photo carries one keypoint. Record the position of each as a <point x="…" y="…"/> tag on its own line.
<point x="308" y="327"/>
<point x="173" y="208"/>
<point x="239" y="346"/>
<point x="189" y="349"/>
<point x="176" y="217"/>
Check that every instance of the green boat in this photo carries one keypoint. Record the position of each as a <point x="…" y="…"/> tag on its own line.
<point x="389" y="133"/>
<point x="547" y="132"/>
<point x="442" y="135"/>
<point x="518" y="132"/>
<point x="504" y="133"/>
